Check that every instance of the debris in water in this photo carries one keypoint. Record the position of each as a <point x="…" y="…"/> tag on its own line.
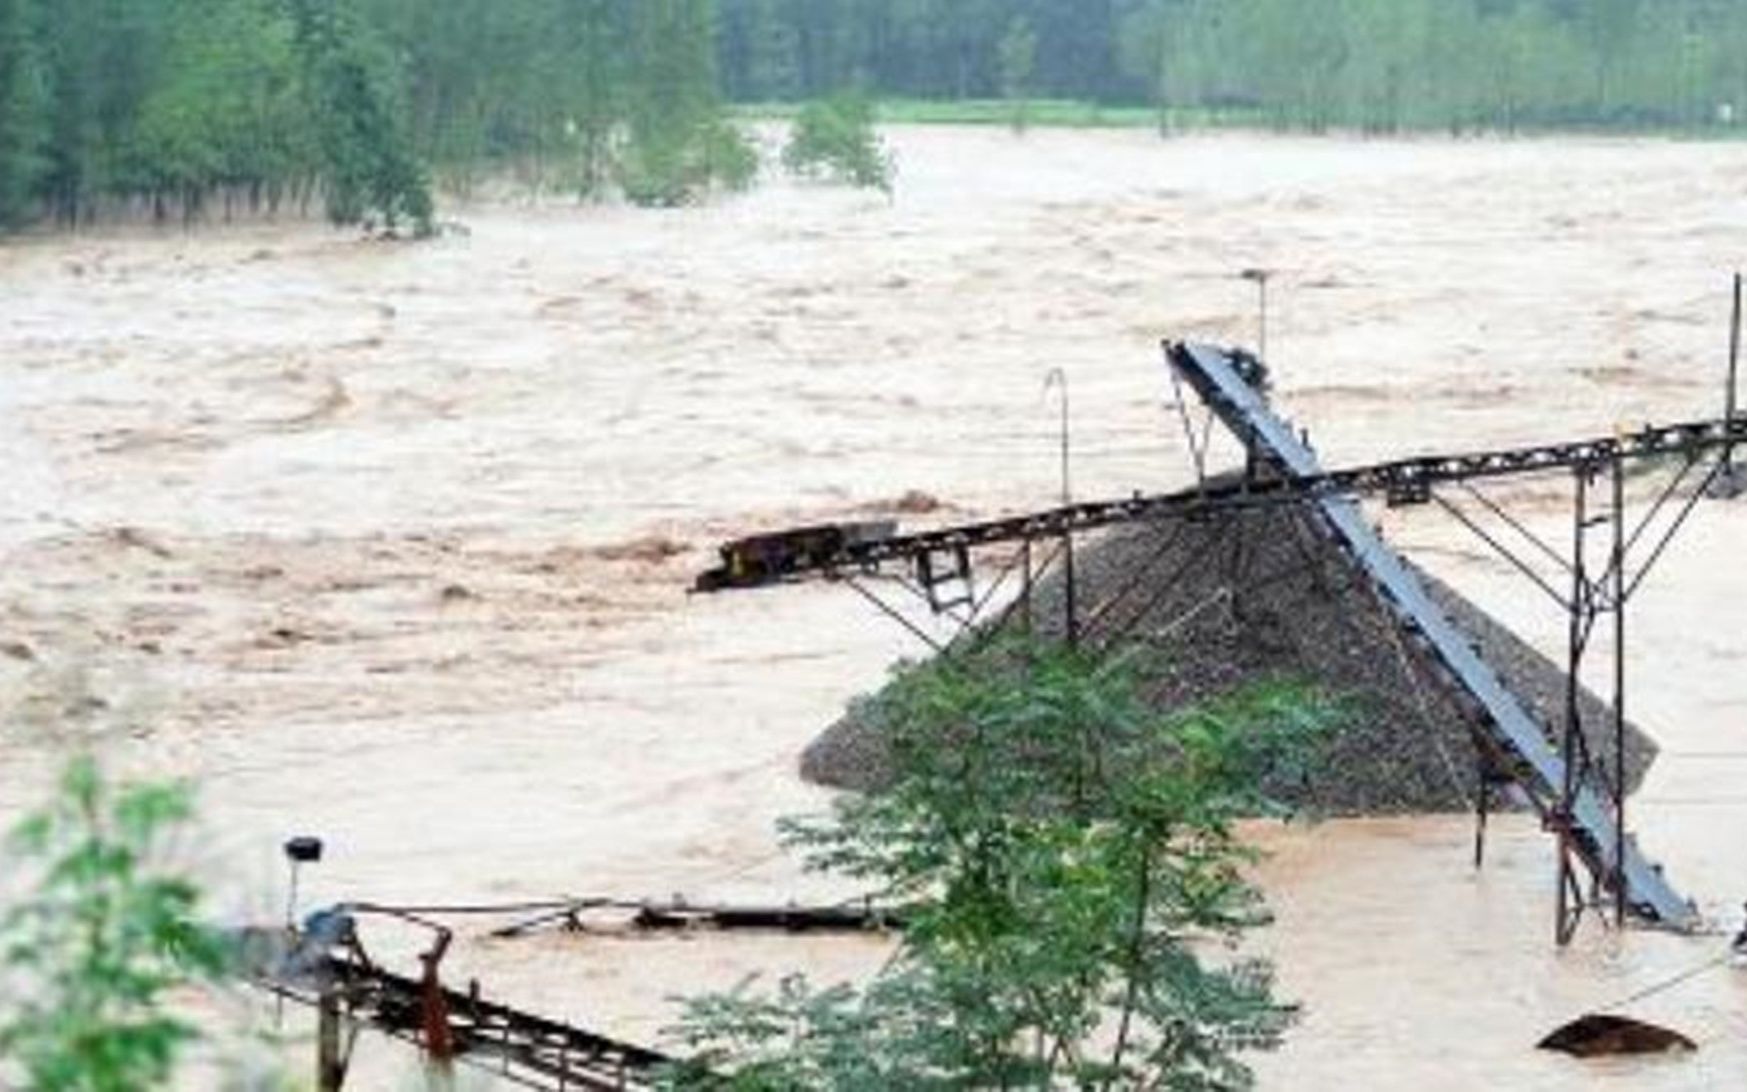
<point x="912" y="502"/>
<point x="1596" y="1035"/>
<point x="649" y="550"/>
<point x="916" y="502"/>
<point x="134" y="538"/>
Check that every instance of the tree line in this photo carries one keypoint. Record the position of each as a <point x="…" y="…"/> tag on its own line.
<point x="180" y="108"/>
<point x="1378" y="65"/>
<point x="193" y="108"/>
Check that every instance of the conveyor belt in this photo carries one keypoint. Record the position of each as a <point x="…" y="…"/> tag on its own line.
<point x="826" y="550"/>
<point x="1230" y="383"/>
<point x="1221" y="379"/>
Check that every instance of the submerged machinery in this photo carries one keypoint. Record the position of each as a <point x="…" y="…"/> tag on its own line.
<point x="1550" y="763"/>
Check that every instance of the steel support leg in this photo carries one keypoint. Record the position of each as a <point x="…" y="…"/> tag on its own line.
<point x="1072" y="627"/>
<point x="1482" y="801"/>
<point x="1617" y="563"/>
<point x="330" y="1060"/>
<point x="1574" y="748"/>
<point x="1731" y="481"/>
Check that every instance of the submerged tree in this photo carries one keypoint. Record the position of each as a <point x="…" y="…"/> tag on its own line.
<point x="835" y="139"/>
<point x="1068" y="861"/>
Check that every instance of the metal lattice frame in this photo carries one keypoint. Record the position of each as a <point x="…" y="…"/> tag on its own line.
<point x="1584" y="808"/>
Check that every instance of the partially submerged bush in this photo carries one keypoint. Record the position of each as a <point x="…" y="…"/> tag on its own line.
<point x="667" y="170"/>
<point x="835" y="139"/>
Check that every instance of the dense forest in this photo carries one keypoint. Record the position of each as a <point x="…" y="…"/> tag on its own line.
<point x="1366" y="64"/>
<point x="173" y="107"/>
<point x="186" y="108"/>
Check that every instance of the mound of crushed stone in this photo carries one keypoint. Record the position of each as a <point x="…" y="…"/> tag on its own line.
<point x="1262" y="594"/>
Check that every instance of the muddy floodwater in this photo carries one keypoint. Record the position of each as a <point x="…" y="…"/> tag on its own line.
<point x="390" y="543"/>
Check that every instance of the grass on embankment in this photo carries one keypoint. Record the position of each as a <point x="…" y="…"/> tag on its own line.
<point x="1082" y="114"/>
<point x="1041" y="113"/>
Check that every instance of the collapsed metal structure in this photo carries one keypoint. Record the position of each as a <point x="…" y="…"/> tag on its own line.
<point x="1555" y="770"/>
<point x="325" y="965"/>
<point x="1578" y="797"/>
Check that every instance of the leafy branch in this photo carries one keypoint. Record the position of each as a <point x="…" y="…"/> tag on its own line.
<point x="1069" y="861"/>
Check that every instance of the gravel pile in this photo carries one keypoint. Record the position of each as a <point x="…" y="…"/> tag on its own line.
<point x="1266" y="593"/>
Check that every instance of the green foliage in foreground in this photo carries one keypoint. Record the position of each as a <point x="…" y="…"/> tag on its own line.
<point x="1069" y="857"/>
<point x="835" y="139"/>
<point x="89" y="957"/>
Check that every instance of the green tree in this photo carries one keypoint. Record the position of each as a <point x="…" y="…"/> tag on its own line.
<point x="773" y="52"/>
<point x="368" y="167"/>
<point x="1065" y="854"/>
<point x="591" y="57"/>
<point x="678" y="142"/>
<point x="94" y="950"/>
<point x="1018" y="61"/>
<point x="835" y="139"/>
<point x="23" y="112"/>
<point x="228" y="114"/>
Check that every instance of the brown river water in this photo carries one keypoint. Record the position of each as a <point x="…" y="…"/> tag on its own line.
<point x="390" y="542"/>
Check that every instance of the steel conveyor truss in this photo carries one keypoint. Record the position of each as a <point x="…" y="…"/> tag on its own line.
<point x="1286" y="471"/>
<point x="838" y="549"/>
<point x="349" y="990"/>
<point x="1585" y="819"/>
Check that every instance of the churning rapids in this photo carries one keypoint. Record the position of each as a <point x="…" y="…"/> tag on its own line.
<point x="389" y="542"/>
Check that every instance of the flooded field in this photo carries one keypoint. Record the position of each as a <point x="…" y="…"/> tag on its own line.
<point x="390" y="542"/>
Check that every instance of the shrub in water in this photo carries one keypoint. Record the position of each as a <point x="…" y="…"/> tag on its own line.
<point x="835" y="139"/>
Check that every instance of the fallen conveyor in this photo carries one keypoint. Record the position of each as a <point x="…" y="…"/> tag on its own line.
<point x="333" y="974"/>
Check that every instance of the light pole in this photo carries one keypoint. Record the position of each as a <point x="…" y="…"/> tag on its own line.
<point x="299" y="851"/>
<point x="1731" y="478"/>
<point x="1260" y="277"/>
<point x="1058" y="379"/>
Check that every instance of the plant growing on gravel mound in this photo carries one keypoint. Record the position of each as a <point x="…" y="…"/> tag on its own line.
<point x="835" y="139"/>
<point x="1068" y="861"/>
